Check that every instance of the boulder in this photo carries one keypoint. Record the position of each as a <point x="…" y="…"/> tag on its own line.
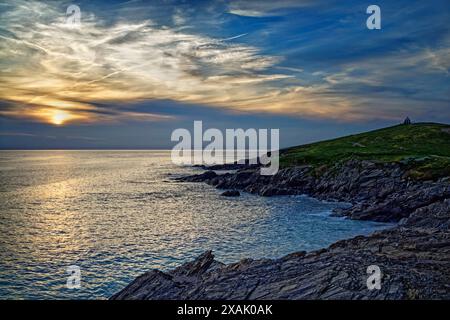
<point x="231" y="193"/>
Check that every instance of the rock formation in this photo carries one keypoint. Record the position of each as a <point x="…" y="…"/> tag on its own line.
<point x="414" y="256"/>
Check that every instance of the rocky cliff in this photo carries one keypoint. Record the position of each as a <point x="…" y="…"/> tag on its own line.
<point x="414" y="256"/>
<point x="413" y="259"/>
<point x="378" y="191"/>
<point x="398" y="174"/>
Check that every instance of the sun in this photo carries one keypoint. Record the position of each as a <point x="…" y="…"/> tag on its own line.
<point x="59" y="117"/>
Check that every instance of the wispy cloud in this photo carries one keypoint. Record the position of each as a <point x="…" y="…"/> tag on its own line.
<point x="257" y="8"/>
<point x="124" y="62"/>
<point x="54" y="73"/>
<point x="25" y="135"/>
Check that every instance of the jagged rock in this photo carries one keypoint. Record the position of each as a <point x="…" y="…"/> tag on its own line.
<point x="380" y="192"/>
<point x="203" y="177"/>
<point x="231" y="193"/>
<point x="436" y="215"/>
<point x="230" y="166"/>
<point x="414" y="256"/>
<point x="196" y="267"/>
<point x="414" y="259"/>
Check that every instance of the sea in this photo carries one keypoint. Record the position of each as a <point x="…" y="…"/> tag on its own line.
<point x="113" y="215"/>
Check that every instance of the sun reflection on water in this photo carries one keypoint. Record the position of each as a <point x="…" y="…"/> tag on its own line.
<point x="117" y="214"/>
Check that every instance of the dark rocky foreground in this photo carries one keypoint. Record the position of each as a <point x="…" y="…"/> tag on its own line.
<point x="414" y="256"/>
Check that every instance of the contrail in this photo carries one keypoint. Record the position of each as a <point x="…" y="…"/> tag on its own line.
<point x="235" y="37"/>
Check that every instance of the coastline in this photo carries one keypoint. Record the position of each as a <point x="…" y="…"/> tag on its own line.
<point x="414" y="256"/>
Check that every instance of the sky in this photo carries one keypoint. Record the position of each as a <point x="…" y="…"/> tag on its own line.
<point x="130" y="72"/>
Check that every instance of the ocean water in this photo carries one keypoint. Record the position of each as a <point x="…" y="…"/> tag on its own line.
<point x="117" y="214"/>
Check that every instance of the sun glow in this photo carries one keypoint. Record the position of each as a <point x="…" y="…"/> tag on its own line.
<point x="59" y="117"/>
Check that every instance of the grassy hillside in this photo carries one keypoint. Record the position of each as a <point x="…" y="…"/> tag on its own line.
<point x="422" y="148"/>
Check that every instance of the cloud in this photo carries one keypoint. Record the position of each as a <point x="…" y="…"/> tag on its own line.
<point x="178" y="17"/>
<point x="56" y="73"/>
<point x="257" y="8"/>
<point x="25" y="135"/>
<point x="73" y="67"/>
<point x="17" y="134"/>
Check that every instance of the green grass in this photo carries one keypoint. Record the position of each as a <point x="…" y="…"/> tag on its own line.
<point x="422" y="148"/>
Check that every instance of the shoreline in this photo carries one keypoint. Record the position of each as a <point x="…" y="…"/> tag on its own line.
<point x="414" y="255"/>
